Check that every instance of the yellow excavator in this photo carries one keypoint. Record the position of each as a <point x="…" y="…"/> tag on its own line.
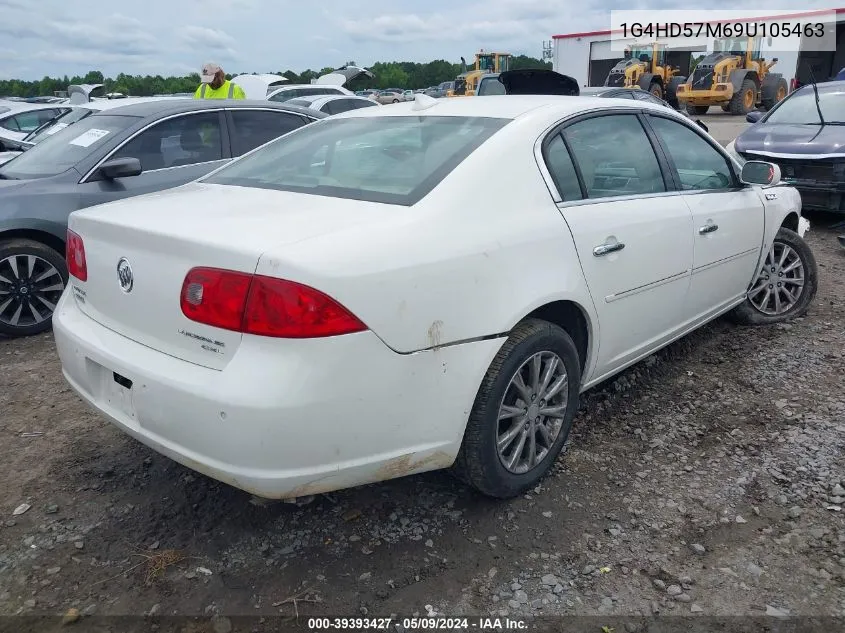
<point x="467" y="82"/>
<point x="645" y="68"/>
<point x="734" y="76"/>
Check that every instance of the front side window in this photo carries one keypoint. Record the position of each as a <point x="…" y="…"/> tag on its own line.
<point x="252" y="128"/>
<point x="699" y="164"/>
<point x="182" y="140"/>
<point x="615" y="156"/>
<point x="65" y="148"/>
<point x="394" y="160"/>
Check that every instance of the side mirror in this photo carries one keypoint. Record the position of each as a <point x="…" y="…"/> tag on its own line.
<point x="701" y="124"/>
<point x="774" y="59"/>
<point x="753" y="117"/>
<point x="120" y="168"/>
<point x="758" y="172"/>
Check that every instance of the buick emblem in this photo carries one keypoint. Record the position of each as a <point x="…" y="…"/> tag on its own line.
<point x="124" y="275"/>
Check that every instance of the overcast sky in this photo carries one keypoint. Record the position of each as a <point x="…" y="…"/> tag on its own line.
<point x="62" y="37"/>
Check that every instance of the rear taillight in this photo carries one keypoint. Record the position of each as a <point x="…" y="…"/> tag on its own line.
<point x="265" y="306"/>
<point x="793" y="84"/>
<point x="75" y="256"/>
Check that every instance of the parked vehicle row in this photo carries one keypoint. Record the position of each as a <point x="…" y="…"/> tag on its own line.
<point x="126" y="150"/>
<point x="345" y="272"/>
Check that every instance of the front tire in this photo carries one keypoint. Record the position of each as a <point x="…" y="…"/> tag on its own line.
<point x="744" y="100"/>
<point x="523" y="411"/>
<point x="32" y="278"/>
<point x="785" y="285"/>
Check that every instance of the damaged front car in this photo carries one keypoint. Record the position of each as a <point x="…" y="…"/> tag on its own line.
<point x="805" y="136"/>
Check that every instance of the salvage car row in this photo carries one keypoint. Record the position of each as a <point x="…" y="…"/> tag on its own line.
<point x="344" y="274"/>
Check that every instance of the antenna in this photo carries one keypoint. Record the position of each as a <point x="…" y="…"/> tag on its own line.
<point x="548" y="52"/>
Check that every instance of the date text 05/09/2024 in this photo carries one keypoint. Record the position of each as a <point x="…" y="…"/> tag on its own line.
<point x="430" y="623"/>
<point x="719" y="30"/>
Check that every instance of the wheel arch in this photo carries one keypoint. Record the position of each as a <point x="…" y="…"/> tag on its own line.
<point x="574" y="319"/>
<point x="36" y="235"/>
<point x="790" y="222"/>
<point x="740" y="75"/>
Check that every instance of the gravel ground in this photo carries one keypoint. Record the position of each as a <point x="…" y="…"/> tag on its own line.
<point x="708" y="479"/>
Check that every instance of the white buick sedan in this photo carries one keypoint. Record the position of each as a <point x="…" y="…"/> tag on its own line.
<point x="431" y="285"/>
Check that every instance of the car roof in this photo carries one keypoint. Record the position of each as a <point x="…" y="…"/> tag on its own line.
<point x="165" y="107"/>
<point x="502" y="106"/>
<point x="111" y="104"/>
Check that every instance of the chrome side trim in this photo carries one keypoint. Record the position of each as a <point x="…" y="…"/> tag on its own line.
<point x="724" y="260"/>
<point x="654" y="284"/>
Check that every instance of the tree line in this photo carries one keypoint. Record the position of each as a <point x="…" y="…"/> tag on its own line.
<point x="407" y="75"/>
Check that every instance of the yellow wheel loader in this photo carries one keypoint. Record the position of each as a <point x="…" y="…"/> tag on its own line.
<point x="645" y="68"/>
<point x="735" y="77"/>
<point x="467" y="82"/>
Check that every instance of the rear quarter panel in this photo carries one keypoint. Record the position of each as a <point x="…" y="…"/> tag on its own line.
<point x="470" y="260"/>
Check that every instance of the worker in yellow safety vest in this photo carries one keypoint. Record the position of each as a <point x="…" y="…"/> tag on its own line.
<point x="215" y="85"/>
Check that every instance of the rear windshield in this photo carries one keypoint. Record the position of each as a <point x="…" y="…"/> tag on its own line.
<point x="395" y="160"/>
<point x="64" y="149"/>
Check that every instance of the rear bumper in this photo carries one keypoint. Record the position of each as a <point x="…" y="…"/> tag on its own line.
<point x="285" y="418"/>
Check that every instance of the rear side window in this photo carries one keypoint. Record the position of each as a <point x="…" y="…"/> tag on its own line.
<point x="252" y="128"/>
<point x="560" y="166"/>
<point x="394" y="160"/>
<point x="615" y="156"/>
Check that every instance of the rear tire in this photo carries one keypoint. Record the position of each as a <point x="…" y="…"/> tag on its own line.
<point x="726" y="107"/>
<point x="502" y="407"/>
<point x="745" y="99"/>
<point x="696" y="109"/>
<point x="38" y="275"/>
<point x="761" y="307"/>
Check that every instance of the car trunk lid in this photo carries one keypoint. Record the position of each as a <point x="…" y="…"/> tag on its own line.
<point x="160" y="237"/>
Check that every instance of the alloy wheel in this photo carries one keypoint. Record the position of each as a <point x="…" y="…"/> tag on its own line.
<point x="780" y="282"/>
<point x="531" y="412"/>
<point x="30" y="288"/>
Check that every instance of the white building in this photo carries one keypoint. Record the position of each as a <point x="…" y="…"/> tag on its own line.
<point x="588" y="57"/>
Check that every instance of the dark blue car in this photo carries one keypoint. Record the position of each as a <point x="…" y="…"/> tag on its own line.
<point x="807" y="140"/>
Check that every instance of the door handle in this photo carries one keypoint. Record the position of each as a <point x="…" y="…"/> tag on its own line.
<point x="708" y="228"/>
<point x="604" y="249"/>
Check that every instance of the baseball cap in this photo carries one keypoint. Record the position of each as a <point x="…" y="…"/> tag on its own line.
<point x="208" y="72"/>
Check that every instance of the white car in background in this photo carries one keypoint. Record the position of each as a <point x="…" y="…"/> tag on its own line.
<point x="337" y="307"/>
<point x="333" y="104"/>
<point x="329" y="84"/>
<point x="19" y="118"/>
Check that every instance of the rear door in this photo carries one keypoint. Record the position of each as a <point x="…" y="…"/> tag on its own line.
<point x="172" y="151"/>
<point x="250" y="128"/>
<point x="633" y="233"/>
<point x="728" y="217"/>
